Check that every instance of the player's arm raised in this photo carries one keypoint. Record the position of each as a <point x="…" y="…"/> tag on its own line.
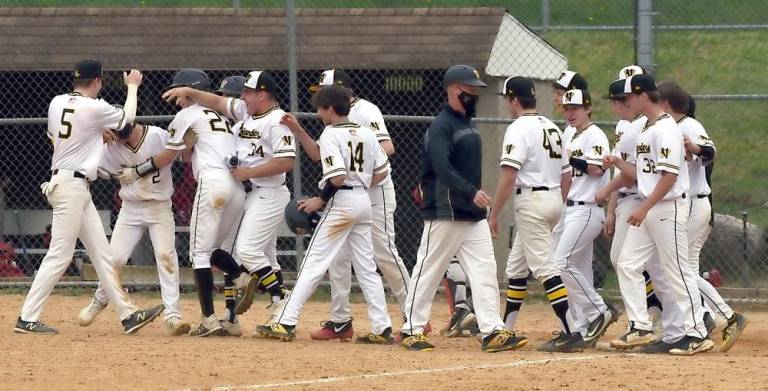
<point x="307" y="142"/>
<point x="132" y="81"/>
<point x="203" y="98"/>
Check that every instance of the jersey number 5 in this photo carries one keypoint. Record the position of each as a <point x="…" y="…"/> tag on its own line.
<point x="218" y="124"/>
<point x="356" y="156"/>
<point x="553" y="143"/>
<point x="66" y="123"/>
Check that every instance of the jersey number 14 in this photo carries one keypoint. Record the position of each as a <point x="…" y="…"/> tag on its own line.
<point x="356" y="156"/>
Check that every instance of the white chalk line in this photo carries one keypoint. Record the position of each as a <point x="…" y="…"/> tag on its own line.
<point x="513" y="364"/>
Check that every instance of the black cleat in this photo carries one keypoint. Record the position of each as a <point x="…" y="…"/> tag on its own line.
<point x="24" y="327"/>
<point x="564" y="343"/>
<point x="599" y="325"/>
<point x="141" y="318"/>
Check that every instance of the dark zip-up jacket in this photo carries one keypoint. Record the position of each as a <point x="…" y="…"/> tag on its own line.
<point x="451" y="172"/>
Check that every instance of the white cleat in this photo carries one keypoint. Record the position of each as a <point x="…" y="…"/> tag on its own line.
<point x="90" y="312"/>
<point x="175" y="326"/>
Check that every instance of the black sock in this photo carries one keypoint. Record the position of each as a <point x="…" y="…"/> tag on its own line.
<point x="229" y="296"/>
<point x="224" y="262"/>
<point x="204" y="283"/>
<point x="516" y="292"/>
<point x="558" y="298"/>
<point x="269" y="281"/>
<point x="651" y="300"/>
<point x="279" y="275"/>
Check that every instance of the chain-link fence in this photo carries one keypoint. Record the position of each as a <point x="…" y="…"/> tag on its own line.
<point x="395" y="53"/>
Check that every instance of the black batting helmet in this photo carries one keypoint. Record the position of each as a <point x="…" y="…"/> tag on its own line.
<point x="300" y="223"/>
<point x="232" y="86"/>
<point x="191" y="77"/>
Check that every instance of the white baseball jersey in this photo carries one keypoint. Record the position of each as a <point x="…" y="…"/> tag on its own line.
<point x="368" y="114"/>
<point x="698" y="135"/>
<point x="626" y="141"/>
<point x="261" y="138"/>
<point x="591" y="145"/>
<point x="660" y="148"/>
<point x="154" y="187"/>
<point x="352" y="150"/>
<point x="75" y="125"/>
<point x="534" y="146"/>
<point x="215" y="141"/>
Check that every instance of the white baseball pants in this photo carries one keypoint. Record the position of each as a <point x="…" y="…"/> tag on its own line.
<point x="470" y="242"/>
<point x="256" y="241"/>
<point x="156" y="216"/>
<point x="347" y="222"/>
<point x="388" y="260"/>
<point x="74" y="216"/>
<point x="536" y="215"/>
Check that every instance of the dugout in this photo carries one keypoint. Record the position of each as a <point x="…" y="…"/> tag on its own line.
<point x="396" y="58"/>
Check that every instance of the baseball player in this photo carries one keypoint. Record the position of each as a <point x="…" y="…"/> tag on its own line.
<point x="585" y="146"/>
<point x="146" y="205"/>
<point x="700" y="151"/>
<point x="535" y="166"/>
<point x="77" y="123"/>
<point x="568" y="80"/>
<point x="231" y="86"/>
<point x="454" y="211"/>
<point x="660" y="225"/>
<point x="219" y="197"/>
<point x="266" y="150"/>
<point x="383" y="200"/>
<point x="353" y="162"/>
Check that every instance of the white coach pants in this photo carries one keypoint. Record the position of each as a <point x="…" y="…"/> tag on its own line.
<point x="218" y="203"/>
<point x="575" y="235"/>
<point x="74" y="216"/>
<point x="470" y="242"/>
<point x="536" y="215"/>
<point x="347" y="222"/>
<point x="256" y="241"/>
<point x="387" y="258"/>
<point x="664" y="229"/>
<point x="156" y="216"/>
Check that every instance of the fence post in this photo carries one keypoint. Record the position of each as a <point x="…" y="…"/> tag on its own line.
<point x="745" y="250"/>
<point x="644" y="35"/>
<point x="545" y="14"/>
<point x="294" y="107"/>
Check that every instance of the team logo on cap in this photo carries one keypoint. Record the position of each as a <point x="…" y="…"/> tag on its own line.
<point x="223" y="83"/>
<point x="569" y="96"/>
<point x="77" y="74"/>
<point x="477" y="74"/>
<point x="629" y="72"/>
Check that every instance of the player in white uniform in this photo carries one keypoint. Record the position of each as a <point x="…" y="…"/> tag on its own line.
<point x="77" y="126"/>
<point x="353" y="162"/>
<point x="146" y="205"/>
<point x="585" y="145"/>
<point x="535" y="166"/>
<point x="219" y="198"/>
<point x="700" y="151"/>
<point x="660" y="225"/>
<point x="568" y="80"/>
<point x="383" y="200"/>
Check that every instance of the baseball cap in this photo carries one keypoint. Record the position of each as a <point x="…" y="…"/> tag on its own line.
<point x="261" y="81"/>
<point x="638" y="84"/>
<point x="630" y="70"/>
<point x="463" y="74"/>
<point x="232" y="85"/>
<point x="518" y="87"/>
<point x="88" y="69"/>
<point x="616" y="90"/>
<point x="570" y="80"/>
<point x="330" y="77"/>
<point x="577" y="98"/>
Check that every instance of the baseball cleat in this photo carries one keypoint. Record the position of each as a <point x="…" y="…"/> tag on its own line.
<point x="417" y="342"/>
<point x="733" y="329"/>
<point x="277" y="331"/>
<point x="659" y="347"/>
<point x="688" y="346"/>
<point x="209" y="326"/>
<point x="245" y="300"/>
<point x="426" y="331"/>
<point x="599" y="325"/>
<point x="175" y="326"/>
<point x="141" y="318"/>
<point x="24" y="327"/>
<point x="461" y="320"/>
<point x="231" y="329"/>
<point x="634" y="337"/>
<point x="275" y="308"/>
<point x="501" y="340"/>
<point x="385" y="338"/>
<point x="90" y="312"/>
<point x="563" y="343"/>
<point x="709" y="323"/>
<point x="331" y="330"/>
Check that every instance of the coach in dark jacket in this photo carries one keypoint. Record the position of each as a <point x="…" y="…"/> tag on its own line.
<point x="454" y="219"/>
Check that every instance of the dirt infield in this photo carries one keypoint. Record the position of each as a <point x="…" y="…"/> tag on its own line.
<point x="100" y="357"/>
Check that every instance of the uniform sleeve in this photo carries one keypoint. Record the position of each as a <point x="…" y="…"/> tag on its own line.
<point x="565" y="159"/>
<point x="699" y="136"/>
<point x="382" y="161"/>
<point x="515" y="148"/>
<point x="598" y="148"/>
<point x="176" y="131"/>
<point x="283" y="142"/>
<point x="439" y="145"/>
<point x="668" y="149"/>
<point x="331" y="157"/>
<point x="236" y="109"/>
<point x="111" y="117"/>
<point x="376" y="122"/>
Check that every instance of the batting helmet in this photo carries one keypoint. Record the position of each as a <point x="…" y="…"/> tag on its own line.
<point x="231" y="86"/>
<point x="191" y="77"/>
<point x="300" y="223"/>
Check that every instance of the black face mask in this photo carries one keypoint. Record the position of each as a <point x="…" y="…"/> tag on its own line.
<point x="469" y="102"/>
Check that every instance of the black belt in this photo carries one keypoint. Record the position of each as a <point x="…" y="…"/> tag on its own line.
<point x="345" y="187"/>
<point x="574" y="203"/>
<point x="624" y="195"/>
<point x="702" y="196"/>
<point x="76" y="174"/>
<point x="538" y="188"/>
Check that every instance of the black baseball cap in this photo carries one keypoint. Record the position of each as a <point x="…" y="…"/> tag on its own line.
<point x="232" y="86"/>
<point x="570" y="80"/>
<point x="88" y="69"/>
<point x="638" y="84"/>
<point x="261" y="81"/>
<point x="463" y="74"/>
<point x="332" y="77"/>
<point x="518" y="87"/>
<point x="616" y="90"/>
